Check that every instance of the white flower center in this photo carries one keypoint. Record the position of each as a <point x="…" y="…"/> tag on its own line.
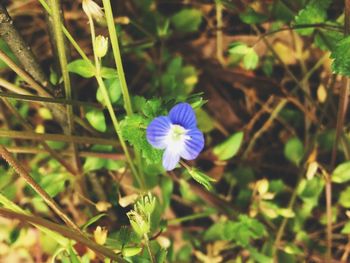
<point x="176" y="138"/>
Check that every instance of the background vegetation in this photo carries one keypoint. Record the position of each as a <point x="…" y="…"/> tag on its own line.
<point x="79" y="85"/>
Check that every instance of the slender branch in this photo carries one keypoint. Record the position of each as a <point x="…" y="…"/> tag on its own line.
<point x="117" y="57"/>
<point x="29" y="127"/>
<point x="67" y="34"/>
<point x="22" y="51"/>
<point x="342" y="109"/>
<point x="56" y="137"/>
<point x="64" y="231"/>
<point x="102" y="155"/>
<point x="37" y="188"/>
<point x="57" y="110"/>
<point x="8" y="85"/>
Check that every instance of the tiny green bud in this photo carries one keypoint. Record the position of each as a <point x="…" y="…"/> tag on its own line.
<point x="139" y="223"/>
<point x="146" y="204"/>
<point x="101" y="43"/>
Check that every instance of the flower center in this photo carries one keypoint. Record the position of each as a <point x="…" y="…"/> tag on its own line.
<point x="177" y="132"/>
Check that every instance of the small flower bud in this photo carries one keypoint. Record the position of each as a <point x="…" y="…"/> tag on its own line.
<point x="139" y="223"/>
<point x="101" y="43"/>
<point x="100" y="235"/>
<point x="94" y="11"/>
<point x="146" y="204"/>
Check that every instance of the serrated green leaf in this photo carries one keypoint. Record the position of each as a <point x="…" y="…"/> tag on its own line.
<point x="230" y="147"/>
<point x="82" y="68"/>
<point x="341" y="57"/>
<point x="313" y="13"/>
<point x="97" y="120"/>
<point x="341" y="173"/>
<point x="187" y="20"/>
<point x="134" y="131"/>
<point x="294" y="150"/>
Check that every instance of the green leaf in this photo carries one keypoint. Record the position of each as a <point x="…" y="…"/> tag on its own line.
<point x="238" y="48"/>
<point x="167" y="187"/>
<point x="92" y="221"/>
<point x="313" y="13"/>
<point x="341" y="173"/>
<point x="327" y="39"/>
<point x="82" y="68"/>
<point x="344" y="198"/>
<point x="230" y="147"/>
<point x="5" y="48"/>
<point x="201" y="178"/>
<point x="109" y="73"/>
<point x="187" y="20"/>
<point x="341" y="57"/>
<point x="346" y="228"/>
<point x="204" y="121"/>
<point x="97" y="120"/>
<point x="251" y="59"/>
<point x="250" y="16"/>
<point x="294" y="150"/>
<point x="134" y="131"/>
<point x="93" y="164"/>
<point x="53" y="183"/>
<point x="113" y="88"/>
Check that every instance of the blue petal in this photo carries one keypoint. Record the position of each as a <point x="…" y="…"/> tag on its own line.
<point x="170" y="159"/>
<point x="183" y="114"/>
<point x="194" y="145"/>
<point x="157" y="132"/>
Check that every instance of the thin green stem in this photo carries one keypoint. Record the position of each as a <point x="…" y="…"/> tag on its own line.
<point x="111" y="112"/>
<point x="189" y="218"/>
<point x="219" y="37"/>
<point x="59" y="37"/>
<point x="149" y="249"/>
<point x="117" y="57"/>
<point x="67" y="34"/>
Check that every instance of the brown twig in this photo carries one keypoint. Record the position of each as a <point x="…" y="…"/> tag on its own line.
<point x="22" y="51"/>
<point x="37" y="188"/>
<point x="64" y="231"/>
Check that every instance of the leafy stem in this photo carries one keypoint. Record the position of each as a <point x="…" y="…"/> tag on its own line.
<point x="111" y="112"/>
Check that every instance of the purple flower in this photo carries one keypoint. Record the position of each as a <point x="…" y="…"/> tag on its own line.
<point x="178" y="134"/>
